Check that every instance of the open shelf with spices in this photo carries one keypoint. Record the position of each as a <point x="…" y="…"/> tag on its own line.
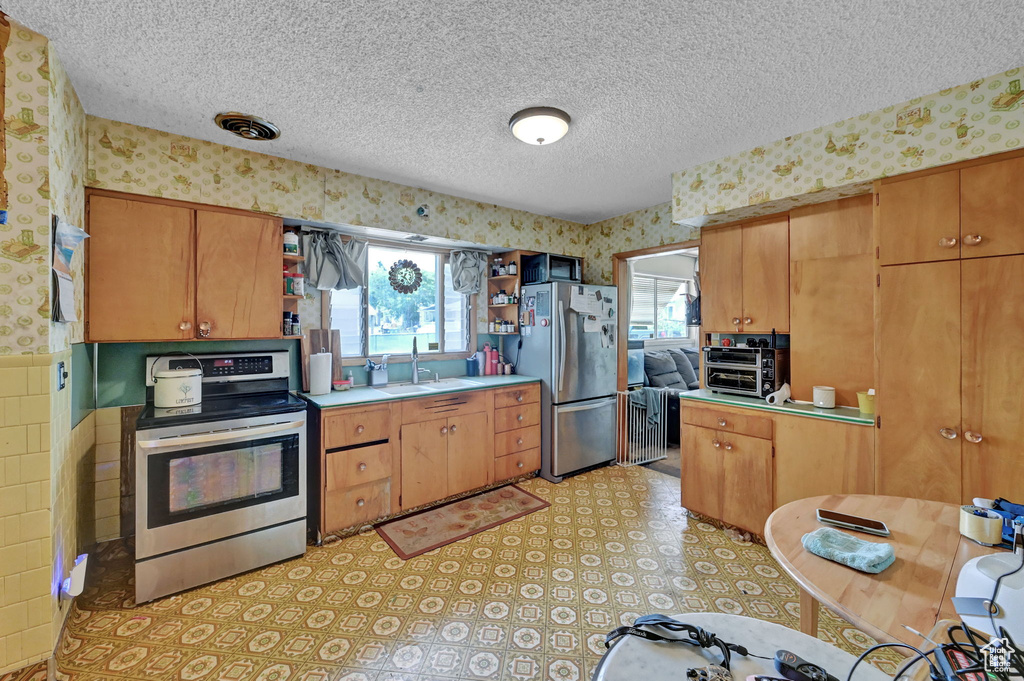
<point x="291" y="269"/>
<point x="503" y="287"/>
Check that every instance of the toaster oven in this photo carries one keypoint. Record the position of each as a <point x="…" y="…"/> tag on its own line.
<point x="754" y="372"/>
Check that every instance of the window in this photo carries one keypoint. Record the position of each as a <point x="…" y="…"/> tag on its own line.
<point x="375" y="319"/>
<point x="657" y="308"/>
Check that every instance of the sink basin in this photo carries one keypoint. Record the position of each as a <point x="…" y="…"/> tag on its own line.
<point x="404" y="389"/>
<point x="446" y="383"/>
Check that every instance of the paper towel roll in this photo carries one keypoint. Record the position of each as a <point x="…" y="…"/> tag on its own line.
<point x="779" y="396"/>
<point x="320" y="373"/>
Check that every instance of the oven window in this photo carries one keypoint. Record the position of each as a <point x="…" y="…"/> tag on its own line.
<point x="731" y="356"/>
<point x="734" y="380"/>
<point x="194" y="483"/>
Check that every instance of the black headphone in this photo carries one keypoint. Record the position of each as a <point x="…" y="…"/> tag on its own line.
<point x="697" y="636"/>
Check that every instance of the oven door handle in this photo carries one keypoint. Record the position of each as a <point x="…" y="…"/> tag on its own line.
<point x="206" y="438"/>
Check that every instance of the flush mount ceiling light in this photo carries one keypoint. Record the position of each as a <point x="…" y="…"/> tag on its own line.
<point x="539" y="125"/>
<point x="247" y="126"/>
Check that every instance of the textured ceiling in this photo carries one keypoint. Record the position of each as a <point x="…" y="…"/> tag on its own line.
<point x="420" y="91"/>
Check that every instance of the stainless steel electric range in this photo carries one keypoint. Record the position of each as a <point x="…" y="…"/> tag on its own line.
<point x="220" y="486"/>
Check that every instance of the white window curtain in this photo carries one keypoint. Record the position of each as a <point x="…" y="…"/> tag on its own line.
<point x="332" y="263"/>
<point x="467" y="271"/>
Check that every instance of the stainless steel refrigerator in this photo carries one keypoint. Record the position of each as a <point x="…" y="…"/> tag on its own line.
<point x="575" y="359"/>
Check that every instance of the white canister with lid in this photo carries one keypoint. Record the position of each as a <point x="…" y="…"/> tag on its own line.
<point x="291" y="243"/>
<point x="177" y="388"/>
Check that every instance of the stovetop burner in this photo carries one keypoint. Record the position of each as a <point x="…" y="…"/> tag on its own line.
<point x="220" y="409"/>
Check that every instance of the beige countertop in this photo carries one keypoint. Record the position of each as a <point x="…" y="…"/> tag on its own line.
<point x="367" y="395"/>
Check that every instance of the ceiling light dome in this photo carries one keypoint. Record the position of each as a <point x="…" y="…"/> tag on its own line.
<point x="539" y="125"/>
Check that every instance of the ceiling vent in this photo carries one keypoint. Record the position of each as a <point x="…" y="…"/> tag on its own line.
<point x="415" y="237"/>
<point x="247" y="127"/>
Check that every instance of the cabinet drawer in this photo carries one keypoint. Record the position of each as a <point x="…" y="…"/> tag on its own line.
<point x="355" y="505"/>
<point x="520" y="416"/>
<point x="728" y="421"/>
<point x="510" y="466"/>
<point x="516" y="441"/>
<point x="454" y="404"/>
<point x="357" y="466"/>
<point x="357" y="426"/>
<point x="520" y="394"/>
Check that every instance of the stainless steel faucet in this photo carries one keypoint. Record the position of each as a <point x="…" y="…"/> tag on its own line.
<point x="416" y="363"/>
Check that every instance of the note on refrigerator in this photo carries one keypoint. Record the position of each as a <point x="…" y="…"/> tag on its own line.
<point x="585" y="303"/>
<point x="607" y="335"/>
<point x="591" y="324"/>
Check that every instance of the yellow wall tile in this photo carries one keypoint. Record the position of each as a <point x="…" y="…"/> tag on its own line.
<point x="7" y="361"/>
<point x="108" y="528"/>
<point x="36" y="641"/>
<point x="13" y="500"/>
<point x="12" y="529"/>
<point x="13" y="381"/>
<point x="12" y="469"/>
<point x="13" y="441"/>
<point x="108" y="451"/>
<point x="35" y="409"/>
<point x="39" y="608"/>
<point x="12" y="411"/>
<point x="35" y="525"/>
<point x="35" y="466"/>
<point x="108" y="489"/>
<point x="36" y="378"/>
<point x="36" y="582"/>
<point x="33" y="437"/>
<point x="108" y="471"/>
<point x="13" y="560"/>
<point x="108" y="416"/>
<point x="108" y="433"/>
<point x="12" y="586"/>
<point x="13" y="618"/>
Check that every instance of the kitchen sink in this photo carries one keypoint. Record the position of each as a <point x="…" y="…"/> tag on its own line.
<point x="404" y="389"/>
<point x="446" y="383"/>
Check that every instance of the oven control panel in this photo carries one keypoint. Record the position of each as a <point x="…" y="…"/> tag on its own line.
<point x="239" y="366"/>
<point x="227" y="366"/>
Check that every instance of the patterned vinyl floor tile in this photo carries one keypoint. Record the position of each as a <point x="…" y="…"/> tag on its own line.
<point x="528" y="600"/>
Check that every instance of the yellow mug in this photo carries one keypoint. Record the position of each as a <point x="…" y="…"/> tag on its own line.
<point x="866" y="402"/>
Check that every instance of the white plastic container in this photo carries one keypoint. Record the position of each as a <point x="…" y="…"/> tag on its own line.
<point x="177" y="388"/>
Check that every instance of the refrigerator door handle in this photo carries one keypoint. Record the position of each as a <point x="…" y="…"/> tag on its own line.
<point x="561" y="356"/>
<point x="586" y="407"/>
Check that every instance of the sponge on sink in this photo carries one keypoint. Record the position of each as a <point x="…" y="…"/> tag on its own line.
<point x="866" y="556"/>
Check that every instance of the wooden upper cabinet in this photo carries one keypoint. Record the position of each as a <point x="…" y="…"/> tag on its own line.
<point x="992" y="209"/>
<point x="238" y="275"/>
<point x="721" y="279"/>
<point x="919" y="219"/>
<point x="992" y="315"/>
<point x="141" y="279"/>
<point x="766" y="276"/>
<point x="919" y="382"/>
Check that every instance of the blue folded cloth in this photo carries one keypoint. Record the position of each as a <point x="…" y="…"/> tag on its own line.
<point x="866" y="556"/>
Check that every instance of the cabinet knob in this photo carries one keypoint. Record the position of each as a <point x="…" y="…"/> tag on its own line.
<point x="947" y="242"/>
<point x="519" y="465"/>
<point x="716" y="443"/>
<point x="444" y="430"/>
<point x="972" y="240"/>
<point x="185" y="326"/>
<point x="971" y="436"/>
<point x="452" y="429"/>
<point x="204" y="329"/>
<point x="736" y="321"/>
<point x="362" y="466"/>
<point x="948" y="433"/>
<point x="360" y="428"/>
<point x="360" y="502"/>
<point x="728" y="445"/>
<point x="519" y="441"/>
<point x="723" y="422"/>
<point x="519" y="418"/>
<point x="748" y="320"/>
<point x="519" y="397"/>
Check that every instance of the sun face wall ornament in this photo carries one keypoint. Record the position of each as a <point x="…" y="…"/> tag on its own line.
<point x="405" y="276"/>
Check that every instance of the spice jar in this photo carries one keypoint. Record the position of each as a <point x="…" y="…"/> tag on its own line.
<point x="298" y="284"/>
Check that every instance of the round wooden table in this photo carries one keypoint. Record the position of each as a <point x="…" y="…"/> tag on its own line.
<point x="914" y="591"/>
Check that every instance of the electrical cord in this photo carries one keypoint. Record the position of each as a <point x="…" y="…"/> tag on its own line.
<point x="922" y="655"/>
<point x="995" y="591"/>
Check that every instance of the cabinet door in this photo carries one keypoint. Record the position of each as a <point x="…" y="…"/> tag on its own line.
<point x="424" y="462"/>
<point x="141" y="278"/>
<point x="919" y="382"/>
<point x="815" y="457"/>
<point x="701" y="470"/>
<point x="919" y="219"/>
<point x="721" y="279"/>
<point x="766" y="276"/>
<point x="993" y="402"/>
<point x="470" y="453"/>
<point x="238" y="281"/>
<point x="746" y="481"/>
<point x="992" y="209"/>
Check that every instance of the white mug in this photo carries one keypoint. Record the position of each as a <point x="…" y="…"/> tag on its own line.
<point x="824" y="396"/>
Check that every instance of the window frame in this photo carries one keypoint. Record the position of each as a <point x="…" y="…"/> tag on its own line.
<point x="442" y="258"/>
<point x="655" y="340"/>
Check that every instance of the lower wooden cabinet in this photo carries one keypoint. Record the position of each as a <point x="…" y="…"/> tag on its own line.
<point x="424" y="462"/>
<point x="470" y="461"/>
<point x="514" y="465"/>
<point x="738" y="465"/>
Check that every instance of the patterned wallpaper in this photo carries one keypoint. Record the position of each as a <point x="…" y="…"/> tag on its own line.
<point x="980" y="118"/>
<point x="67" y="186"/>
<point x="25" y="239"/>
<point x="640" y="229"/>
<point x="131" y="158"/>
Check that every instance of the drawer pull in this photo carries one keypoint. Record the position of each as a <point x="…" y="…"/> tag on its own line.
<point x="722" y="422"/>
<point x="360" y="429"/>
<point x="519" y="441"/>
<point x="362" y="466"/>
<point x="444" y="430"/>
<point x="519" y="418"/>
<point x="360" y="502"/>
<point x="519" y="465"/>
<point x="728" y="445"/>
<point x="519" y="397"/>
<point x="716" y="443"/>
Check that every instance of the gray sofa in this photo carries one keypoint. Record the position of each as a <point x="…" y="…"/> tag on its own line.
<point x="674" y="369"/>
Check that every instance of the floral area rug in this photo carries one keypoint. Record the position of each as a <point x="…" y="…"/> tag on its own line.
<point x="425" y="531"/>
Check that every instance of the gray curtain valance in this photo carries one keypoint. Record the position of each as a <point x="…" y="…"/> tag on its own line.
<point x="468" y="269"/>
<point x="332" y="263"/>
